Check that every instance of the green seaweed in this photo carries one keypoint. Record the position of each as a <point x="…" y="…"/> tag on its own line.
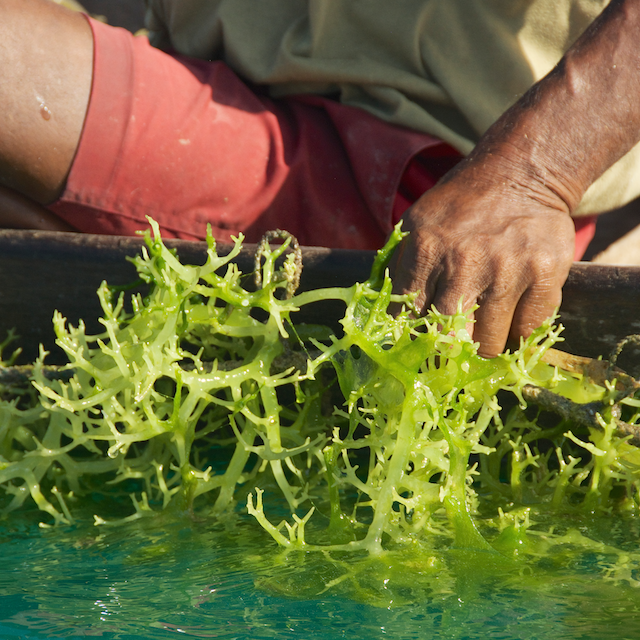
<point x="205" y="390"/>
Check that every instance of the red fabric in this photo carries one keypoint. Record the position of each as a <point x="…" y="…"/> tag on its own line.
<point x="188" y="143"/>
<point x="585" y="230"/>
<point x="422" y="173"/>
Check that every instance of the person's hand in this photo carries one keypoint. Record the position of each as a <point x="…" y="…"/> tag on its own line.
<point x="487" y="237"/>
<point x="496" y="231"/>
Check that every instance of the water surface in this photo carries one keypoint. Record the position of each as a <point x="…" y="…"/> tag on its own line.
<point x="178" y="577"/>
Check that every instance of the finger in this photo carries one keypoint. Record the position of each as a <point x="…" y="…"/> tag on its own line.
<point x="469" y="271"/>
<point x="493" y="324"/>
<point x="515" y="316"/>
<point x="536" y="305"/>
<point x="459" y="294"/>
<point x="414" y="270"/>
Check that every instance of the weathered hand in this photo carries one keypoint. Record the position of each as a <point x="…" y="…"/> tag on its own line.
<point x="489" y="239"/>
<point x="497" y="229"/>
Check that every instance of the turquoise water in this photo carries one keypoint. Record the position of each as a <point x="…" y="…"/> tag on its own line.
<point x="180" y="577"/>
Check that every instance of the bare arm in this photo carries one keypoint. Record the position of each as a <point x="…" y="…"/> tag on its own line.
<point x="497" y="229"/>
<point x="46" y="60"/>
<point x="19" y="212"/>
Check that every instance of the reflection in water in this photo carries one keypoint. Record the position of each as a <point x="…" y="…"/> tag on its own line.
<point x="165" y="578"/>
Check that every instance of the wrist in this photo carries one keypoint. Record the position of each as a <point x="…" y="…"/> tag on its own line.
<point x="570" y="127"/>
<point x="526" y="149"/>
<point x="521" y="172"/>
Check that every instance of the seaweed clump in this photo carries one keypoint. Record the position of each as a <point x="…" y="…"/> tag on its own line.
<point x="207" y="388"/>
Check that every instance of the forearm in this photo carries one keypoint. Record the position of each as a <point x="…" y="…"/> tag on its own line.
<point x="19" y="212"/>
<point x="577" y="121"/>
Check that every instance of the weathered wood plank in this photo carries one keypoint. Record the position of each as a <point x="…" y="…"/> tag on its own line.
<point x="44" y="271"/>
<point x="601" y="305"/>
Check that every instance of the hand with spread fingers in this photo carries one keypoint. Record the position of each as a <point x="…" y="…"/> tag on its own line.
<point x="497" y="230"/>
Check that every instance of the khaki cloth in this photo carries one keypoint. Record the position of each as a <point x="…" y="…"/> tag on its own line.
<point x="448" y="68"/>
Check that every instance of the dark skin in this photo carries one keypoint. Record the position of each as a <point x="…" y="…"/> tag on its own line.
<point x="495" y="231"/>
<point x="46" y="57"/>
<point x="19" y="212"/>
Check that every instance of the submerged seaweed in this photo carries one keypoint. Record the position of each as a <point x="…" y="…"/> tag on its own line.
<point x="208" y="390"/>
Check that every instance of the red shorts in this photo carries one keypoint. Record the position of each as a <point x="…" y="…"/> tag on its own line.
<point x="188" y="143"/>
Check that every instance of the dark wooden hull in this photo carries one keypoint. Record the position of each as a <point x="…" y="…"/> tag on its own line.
<point x="44" y="271"/>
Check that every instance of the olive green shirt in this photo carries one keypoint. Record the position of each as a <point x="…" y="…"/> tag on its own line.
<point x="448" y="68"/>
